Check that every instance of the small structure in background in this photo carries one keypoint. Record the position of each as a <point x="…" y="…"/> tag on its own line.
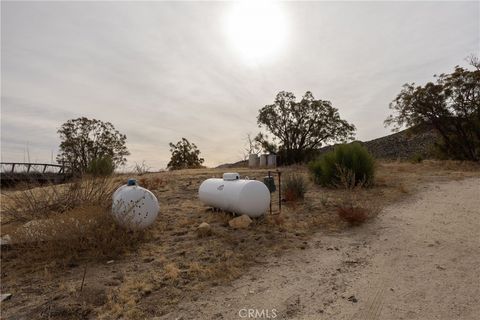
<point x="253" y="160"/>
<point x="249" y="197"/>
<point x="134" y="207"/>
<point x="265" y="160"/>
<point x="12" y="173"/>
<point x="272" y="160"/>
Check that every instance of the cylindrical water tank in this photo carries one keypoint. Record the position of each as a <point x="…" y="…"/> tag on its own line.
<point x="263" y="160"/>
<point x="134" y="207"/>
<point x="253" y="160"/>
<point x="272" y="160"/>
<point x="250" y="197"/>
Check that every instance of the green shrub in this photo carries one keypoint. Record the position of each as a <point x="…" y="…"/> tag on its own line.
<point x="103" y="166"/>
<point x="294" y="187"/>
<point x="347" y="165"/>
<point x="416" y="158"/>
<point x="315" y="168"/>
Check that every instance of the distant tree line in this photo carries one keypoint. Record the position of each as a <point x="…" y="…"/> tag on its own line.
<point x="91" y="146"/>
<point x="451" y="105"/>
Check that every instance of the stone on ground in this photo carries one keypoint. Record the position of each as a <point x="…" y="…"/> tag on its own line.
<point x="204" y="229"/>
<point x="241" y="222"/>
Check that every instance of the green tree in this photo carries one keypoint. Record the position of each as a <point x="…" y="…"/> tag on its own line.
<point x="265" y="144"/>
<point x="185" y="155"/>
<point x="85" y="141"/>
<point x="258" y="144"/>
<point x="451" y="106"/>
<point x="302" y="127"/>
<point x="103" y="166"/>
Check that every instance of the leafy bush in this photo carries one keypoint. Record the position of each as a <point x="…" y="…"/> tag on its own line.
<point x="103" y="166"/>
<point x="416" y="158"/>
<point x="294" y="187"/>
<point x="348" y="165"/>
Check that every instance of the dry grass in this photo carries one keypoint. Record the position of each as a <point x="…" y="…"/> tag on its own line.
<point x="82" y="235"/>
<point x="294" y="187"/>
<point x="353" y="215"/>
<point x="46" y="201"/>
<point x="169" y="263"/>
<point x="153" y="183"/>
<point x="171" y="271"/>
<point x="354" y="208"/>
<point x="63" y="223"/>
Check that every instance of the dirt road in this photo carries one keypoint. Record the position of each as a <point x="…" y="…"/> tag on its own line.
<point x="420" y="259"/>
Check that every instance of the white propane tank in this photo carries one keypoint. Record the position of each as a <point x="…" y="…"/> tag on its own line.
<point x="134" y="207"/>
<point x="250" y="197"/>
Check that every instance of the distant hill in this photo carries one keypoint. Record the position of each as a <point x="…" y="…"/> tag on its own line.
<point x="400" y="145"/>
<point x="238" y="164"/>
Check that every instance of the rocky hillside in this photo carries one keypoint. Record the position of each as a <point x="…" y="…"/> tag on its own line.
<point x="238" y="164"/>
<point x="400" y="145"/>
<point x="404" y="144"/>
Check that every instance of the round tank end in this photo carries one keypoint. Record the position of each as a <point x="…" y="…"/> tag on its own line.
<point x="254" y="199"/>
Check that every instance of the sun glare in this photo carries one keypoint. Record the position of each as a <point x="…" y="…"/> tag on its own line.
<point x="257" y="29"/>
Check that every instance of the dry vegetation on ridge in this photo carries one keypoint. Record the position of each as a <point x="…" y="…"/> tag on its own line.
<point x="152" y="272"/>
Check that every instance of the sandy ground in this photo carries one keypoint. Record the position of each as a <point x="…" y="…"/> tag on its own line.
<point x="420" y="259"/>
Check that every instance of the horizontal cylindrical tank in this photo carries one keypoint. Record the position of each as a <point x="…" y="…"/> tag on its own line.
<point x="134" y="207"/>
<point x="263" y="160"/>
<point x="250" y="197"/>
<point x="253" y="160"/>
<point x="272" y="160"/>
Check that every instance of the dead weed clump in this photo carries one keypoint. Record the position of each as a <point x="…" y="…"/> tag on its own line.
<point x="122" y="302"/>
<point x="294" y="187"/>
<point x="353" y="215"/>
<point x="82" y="234"/>
<point x="154" y="183"/>
<point x="171" y="271"/>
<point x="45" y="201"/>
<point x="64" y="223"/>
<point x="354" y="207"/>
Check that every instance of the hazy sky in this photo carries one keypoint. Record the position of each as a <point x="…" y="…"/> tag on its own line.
<point x="160" y="71"/>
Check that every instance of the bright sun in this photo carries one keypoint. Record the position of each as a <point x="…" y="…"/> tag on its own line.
<point x="257" y="29"/>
